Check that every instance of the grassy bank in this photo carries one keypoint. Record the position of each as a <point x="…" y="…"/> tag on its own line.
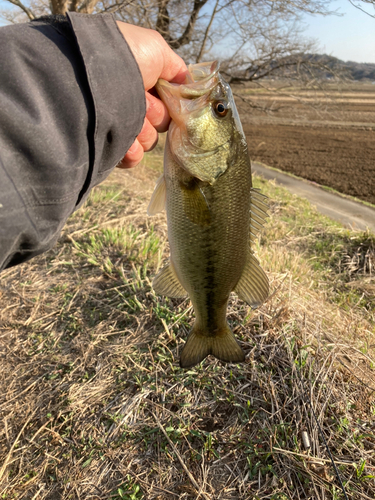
<point x="94" y="405"/>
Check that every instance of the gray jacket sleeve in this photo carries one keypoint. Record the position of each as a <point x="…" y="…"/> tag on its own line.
<point x="71" y="104"/>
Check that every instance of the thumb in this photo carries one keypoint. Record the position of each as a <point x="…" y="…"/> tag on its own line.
<point x="174" y="69"/>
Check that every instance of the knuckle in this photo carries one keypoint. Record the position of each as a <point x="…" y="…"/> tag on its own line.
<point x="158" y="37"/>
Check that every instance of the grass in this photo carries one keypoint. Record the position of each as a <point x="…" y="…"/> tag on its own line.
<point x="94" y="404"/>
<point x="339" y="261"/>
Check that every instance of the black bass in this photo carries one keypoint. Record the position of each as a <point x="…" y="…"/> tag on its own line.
<point x="213" y="212"/>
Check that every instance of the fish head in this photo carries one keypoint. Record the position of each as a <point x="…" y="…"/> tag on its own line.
<point x="205" y="130"/>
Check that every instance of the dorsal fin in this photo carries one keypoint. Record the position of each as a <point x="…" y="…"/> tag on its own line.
<point x="253" y="285"/>
<point x="258" y="213"/>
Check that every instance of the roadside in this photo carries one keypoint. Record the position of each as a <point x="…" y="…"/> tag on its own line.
<point x="350" y="213"/>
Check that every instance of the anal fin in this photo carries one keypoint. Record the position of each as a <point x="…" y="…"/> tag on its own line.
<point x="167" y="283"/>
<point x="253" y="286"/>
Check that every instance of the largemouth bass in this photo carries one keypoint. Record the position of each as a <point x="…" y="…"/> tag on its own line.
<point x="213" y="212"/>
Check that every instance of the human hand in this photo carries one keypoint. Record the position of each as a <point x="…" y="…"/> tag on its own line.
<point x="155" y="60"/>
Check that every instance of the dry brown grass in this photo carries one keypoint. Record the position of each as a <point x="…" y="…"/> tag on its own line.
<point x="94" y="405"/>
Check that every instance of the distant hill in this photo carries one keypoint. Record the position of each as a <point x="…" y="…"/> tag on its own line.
<point x="351" y="69"/>
<point x="320" y="66"/>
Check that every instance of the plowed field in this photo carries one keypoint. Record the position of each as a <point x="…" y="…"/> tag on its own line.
<point x="329" y="140"/>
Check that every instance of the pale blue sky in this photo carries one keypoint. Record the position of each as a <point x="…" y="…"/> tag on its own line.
<point x="350" y="37"/>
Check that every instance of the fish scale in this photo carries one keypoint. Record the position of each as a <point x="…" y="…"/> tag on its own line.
<point x="213" y="214"/>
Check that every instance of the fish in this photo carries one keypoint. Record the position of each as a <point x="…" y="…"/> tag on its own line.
<point x="213" y="212"/>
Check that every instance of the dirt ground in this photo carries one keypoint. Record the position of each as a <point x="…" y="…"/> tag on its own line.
<point x="330" y="142"/>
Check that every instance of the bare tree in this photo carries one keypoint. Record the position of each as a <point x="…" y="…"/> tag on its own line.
<point x="255" y="39"/>
<point x="178" y="21"/>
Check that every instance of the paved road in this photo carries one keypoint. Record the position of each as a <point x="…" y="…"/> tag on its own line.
<point x="349" y="213"/>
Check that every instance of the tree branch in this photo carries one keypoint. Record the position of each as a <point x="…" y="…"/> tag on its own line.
<point x="59" y="6"/>
<point x="26" y="10"/>
<point x="114" y="7"/>
<point x="163" y="20"/>
<point x="74" y="5"/>
<point x="357" y="6"/>
<point x="88" y="6"/>
<point x="201" y="52"/>
<point x="186" y="37"/>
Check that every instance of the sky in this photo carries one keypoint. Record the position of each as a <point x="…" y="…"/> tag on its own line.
<point x="350" y="37"/>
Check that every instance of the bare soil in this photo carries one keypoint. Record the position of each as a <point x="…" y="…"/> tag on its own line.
<point x="332" y="144"/>
<point x="338" y="158"/>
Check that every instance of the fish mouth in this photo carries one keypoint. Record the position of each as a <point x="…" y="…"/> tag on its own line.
<point x="200" y="80"/>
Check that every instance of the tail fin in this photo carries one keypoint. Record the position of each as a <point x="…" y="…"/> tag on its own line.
<point x="223" y="346"/>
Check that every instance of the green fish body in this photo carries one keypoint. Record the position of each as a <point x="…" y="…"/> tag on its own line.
<point x="213" y="213"/>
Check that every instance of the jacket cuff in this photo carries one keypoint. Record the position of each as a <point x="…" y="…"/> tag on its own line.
<point x="117" y="89"/>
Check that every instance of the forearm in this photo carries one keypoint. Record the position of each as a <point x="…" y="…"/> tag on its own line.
<point x="71" y="104"/>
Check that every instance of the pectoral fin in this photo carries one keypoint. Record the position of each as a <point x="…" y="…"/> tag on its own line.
<point x="158" y="198"/>
<point x="253" y="285"/>
<point x="195" y="204"/>
<point x="167" y="283"/>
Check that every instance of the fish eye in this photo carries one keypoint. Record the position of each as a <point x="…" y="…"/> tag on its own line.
<point x="221" y="108"/>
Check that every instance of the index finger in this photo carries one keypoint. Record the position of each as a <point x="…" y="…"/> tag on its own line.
<point x="157" y="113"/>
